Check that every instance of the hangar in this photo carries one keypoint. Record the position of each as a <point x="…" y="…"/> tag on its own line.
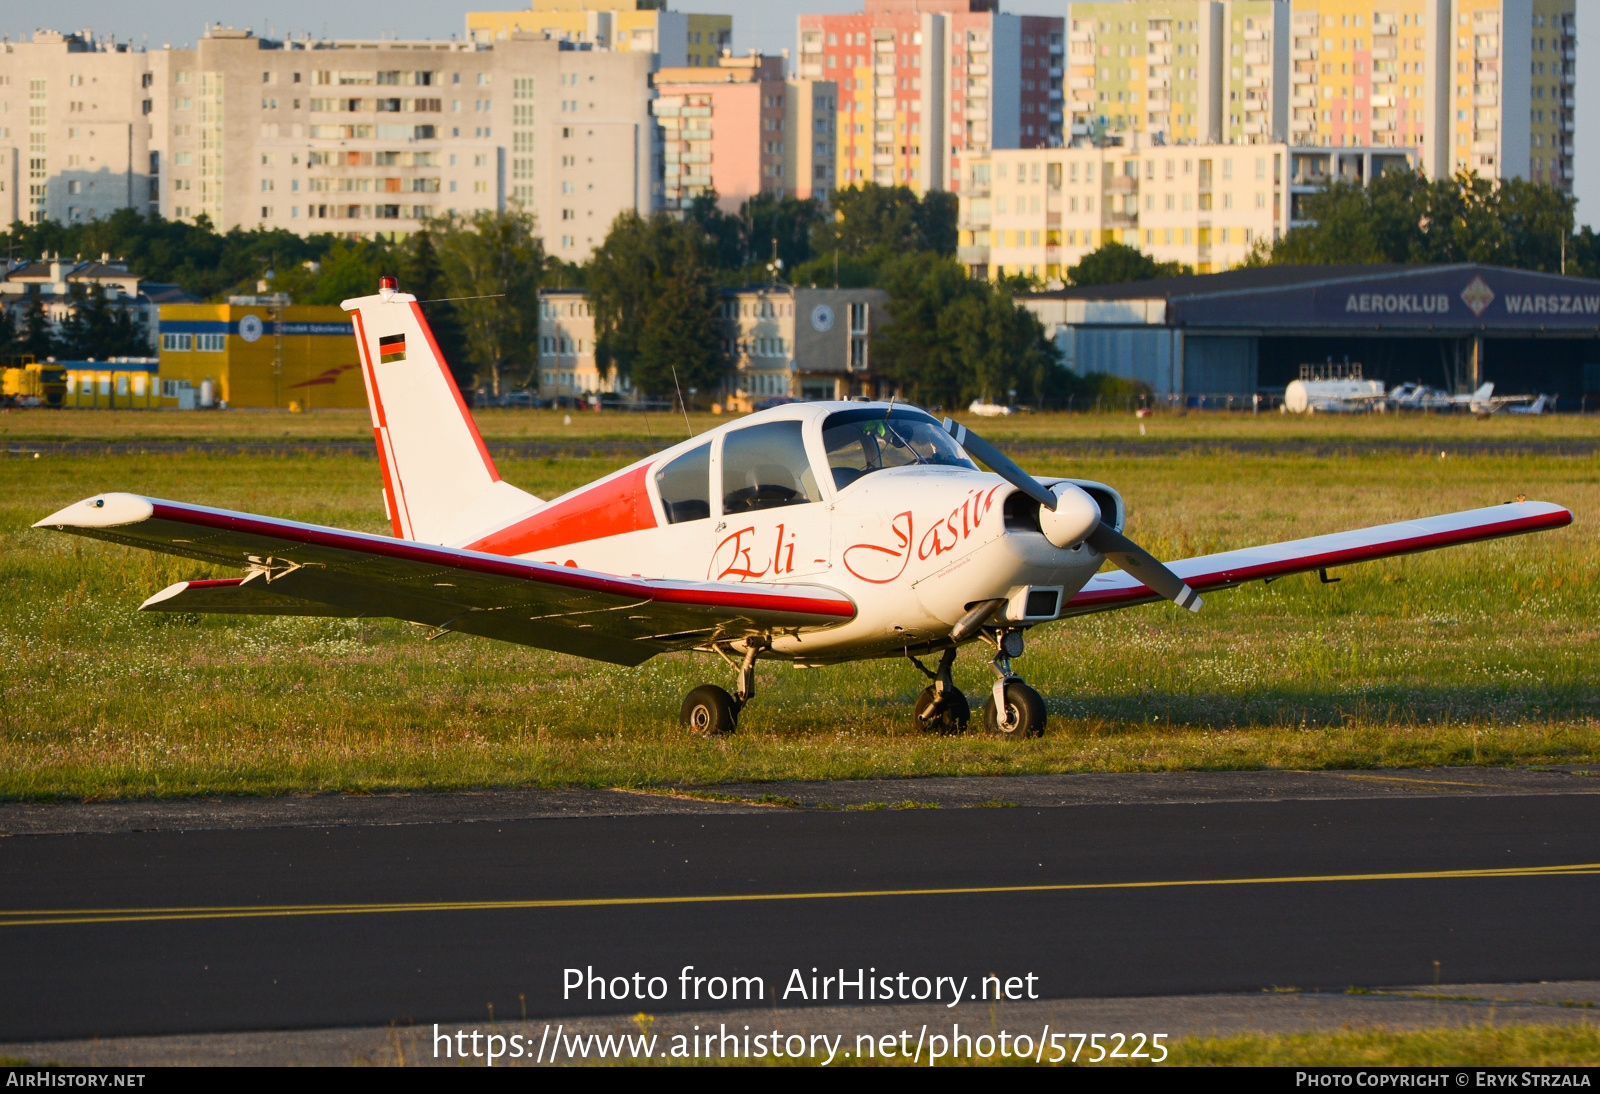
<point x="1247" y="331"/>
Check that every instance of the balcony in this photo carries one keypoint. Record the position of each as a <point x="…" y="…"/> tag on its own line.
<point x="1158" y="36"/>
<point x="1255" y="81"/>
<point x="1485" y="146"/>
<point x="1302" y="77"/>
<point x="1486" y="125"/>
<point x="1382" y="100"/>
<point x="882" y="160"/>
<point x="1081" y="36"/>
<point x="811" y="72"/>
<point x="977" y="112"/>
<point x="1120" y="220"/>
<point x="1490" y="99"/>
<point x="1081" y="106"/>
<point x="1076" y="82"/>
<point x="1122" y="184"/>
<point x="1482" y="53"/>
<point x="1384" y="53"/>
<point x="1385" y="30"/>
<point x="1302" y="55"/>
<point x="1382" y="125"/>
<point x="884" y="67"/>
<point x="977" y="68"/>
<point x="1303" y="100"/>
<point x="1257" y="35"/>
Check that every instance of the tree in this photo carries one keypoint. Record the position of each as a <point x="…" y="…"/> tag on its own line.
<point x="682" y="346"/>
<point x="496" y="260"/>
<point x="781" y="224"/>
<point x="1115" y="263"/>
<point x="34" y="335"/>
<point x="887" y="220"/>
<point x="952" y="339"/>
<point x="422" y="275"/>
<point x="640" y="264"/>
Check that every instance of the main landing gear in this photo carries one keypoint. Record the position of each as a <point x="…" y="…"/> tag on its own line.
<point x="709" y="709"/>
<point x="940" y="708"/>
<point x="1012" y="708"/>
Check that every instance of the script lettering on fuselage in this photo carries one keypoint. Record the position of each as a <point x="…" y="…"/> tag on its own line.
<point x="745" y="555"/>
<point x="881" y="563"/>
<point x="957" y="527"/>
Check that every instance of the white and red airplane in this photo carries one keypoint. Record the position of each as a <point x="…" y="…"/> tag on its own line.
<point x="815" y="533"/>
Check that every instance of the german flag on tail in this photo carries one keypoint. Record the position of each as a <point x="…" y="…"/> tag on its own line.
<point x="392" y="347"/>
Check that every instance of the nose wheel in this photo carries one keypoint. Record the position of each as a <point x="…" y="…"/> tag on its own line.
<point x="1013" y="709"/>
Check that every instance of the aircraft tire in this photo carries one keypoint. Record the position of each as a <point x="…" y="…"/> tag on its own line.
<point x="927" y="715"/>
<point x="709" y="710"/>
<point x="1029" y="710"/>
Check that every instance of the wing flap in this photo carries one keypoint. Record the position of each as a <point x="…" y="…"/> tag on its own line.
<point x="1119" y="589"/>
<point x="235" y="596"/>
<point x="333" y="571"/>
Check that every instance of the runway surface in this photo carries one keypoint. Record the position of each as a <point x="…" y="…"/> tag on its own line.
<point x="306" y="925"/>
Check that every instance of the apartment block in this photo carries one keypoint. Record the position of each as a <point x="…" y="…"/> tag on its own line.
<point x="925" y="85"/>
<point x="1037" y="212"/>
<point x="742" y="128"/>
<point x="676" y="38"/>
<point x="781" y="340"/>
<point x="1476" y="85"/>
<point x="1180" y="71"/>
<point x="363" y="138"/>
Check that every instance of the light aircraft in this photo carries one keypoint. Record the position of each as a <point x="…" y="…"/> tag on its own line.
<point x="814" y="533"/>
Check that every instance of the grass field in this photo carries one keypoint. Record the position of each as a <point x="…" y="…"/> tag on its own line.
<point x="504" y="426"/>
<point x="1474" y="655"/>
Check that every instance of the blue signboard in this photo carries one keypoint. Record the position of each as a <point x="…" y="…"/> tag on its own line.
<point x="1435" y="297"/>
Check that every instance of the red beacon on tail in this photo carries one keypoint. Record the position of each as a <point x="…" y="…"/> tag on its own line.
<point x="814" y="533"/>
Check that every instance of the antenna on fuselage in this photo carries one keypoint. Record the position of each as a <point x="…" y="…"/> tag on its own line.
<point x="681" y="404"/>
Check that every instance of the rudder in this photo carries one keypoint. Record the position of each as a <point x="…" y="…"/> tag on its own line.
<point x="439" y="481"/>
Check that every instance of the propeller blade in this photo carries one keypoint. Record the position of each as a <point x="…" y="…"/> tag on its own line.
<point x="1109" y="542"/>
<point x="1000" y="464"/>
<point x="1144" y="566"/>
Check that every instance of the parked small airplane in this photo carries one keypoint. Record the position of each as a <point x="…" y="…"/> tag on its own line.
<point x="815" y="533"/>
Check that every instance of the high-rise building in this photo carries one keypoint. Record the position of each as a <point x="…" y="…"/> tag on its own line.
<point x="924" y="85"/>
<point x="1038" y="211"/>
<point x="1180" y="70"/>
<point x="742" y="128"/>
<point x="678" y="39"/>
<point x="363" y="138"/>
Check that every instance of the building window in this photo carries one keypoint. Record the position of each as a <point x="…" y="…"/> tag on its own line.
<point x="182" y="343"/>
<point x="210" y="343"/>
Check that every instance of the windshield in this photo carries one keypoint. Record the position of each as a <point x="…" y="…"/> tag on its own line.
<point x="859" y="442"/>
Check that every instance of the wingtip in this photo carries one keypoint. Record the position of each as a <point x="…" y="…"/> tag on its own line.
<point x="101" y="511"/>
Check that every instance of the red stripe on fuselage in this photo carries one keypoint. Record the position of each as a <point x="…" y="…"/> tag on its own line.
<point x="610" y="508"/>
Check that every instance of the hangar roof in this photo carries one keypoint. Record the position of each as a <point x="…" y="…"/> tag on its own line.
<point x="1459" y="296"/>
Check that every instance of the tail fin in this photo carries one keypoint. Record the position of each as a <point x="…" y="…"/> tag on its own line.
<point x="1484" y="392"/>
<point x="439" y="484"/>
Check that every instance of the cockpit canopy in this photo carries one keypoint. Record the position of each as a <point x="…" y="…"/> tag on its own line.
<point x="766" y="465"/>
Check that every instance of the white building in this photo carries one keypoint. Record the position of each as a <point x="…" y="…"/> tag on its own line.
<point x="364" y="138"/>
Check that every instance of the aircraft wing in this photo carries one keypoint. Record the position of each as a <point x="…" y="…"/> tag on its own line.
<point x="307" y="569"/>
<point x="1119" y="589"/>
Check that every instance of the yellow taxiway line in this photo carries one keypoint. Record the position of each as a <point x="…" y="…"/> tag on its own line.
<point x="57" y="917"/>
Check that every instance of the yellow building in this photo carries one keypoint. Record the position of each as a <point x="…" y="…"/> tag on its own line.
<point x="121" y="383"/>
<point x="681" y="40"/>
<point x="260" y="356"/>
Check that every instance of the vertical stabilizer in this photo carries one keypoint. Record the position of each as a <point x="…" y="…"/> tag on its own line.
<point x="437" y="474"/>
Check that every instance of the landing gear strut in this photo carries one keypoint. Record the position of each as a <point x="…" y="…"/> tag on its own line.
<point x="709" y="709"/>
<point x="1013" y="709"/>
<point x="940" y="708"/>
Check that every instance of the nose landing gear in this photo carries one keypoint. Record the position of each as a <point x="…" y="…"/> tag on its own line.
<point x="1013" y="709"/>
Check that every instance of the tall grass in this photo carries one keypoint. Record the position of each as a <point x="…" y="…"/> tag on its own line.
<point x="1480" y="654"/>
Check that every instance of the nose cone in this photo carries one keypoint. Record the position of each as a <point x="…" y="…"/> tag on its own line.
<point x="1073" y="518"/>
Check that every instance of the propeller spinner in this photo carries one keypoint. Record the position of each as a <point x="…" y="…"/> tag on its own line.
<point x="1067" y="516"/>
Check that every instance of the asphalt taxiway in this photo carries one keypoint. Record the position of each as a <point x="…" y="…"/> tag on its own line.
<point x="305" y="913"/>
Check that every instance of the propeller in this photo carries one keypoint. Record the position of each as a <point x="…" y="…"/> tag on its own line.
<point x="1069" y="515"/>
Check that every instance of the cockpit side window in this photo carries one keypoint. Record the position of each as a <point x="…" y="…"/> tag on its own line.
<point x="765" y="466"/>
<point x="684" y="484"/>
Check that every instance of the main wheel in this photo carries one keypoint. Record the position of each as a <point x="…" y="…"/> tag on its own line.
<point x="1024" y="710"/>
<point x="928" y="715"/>
<point x="709" y="710"/>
